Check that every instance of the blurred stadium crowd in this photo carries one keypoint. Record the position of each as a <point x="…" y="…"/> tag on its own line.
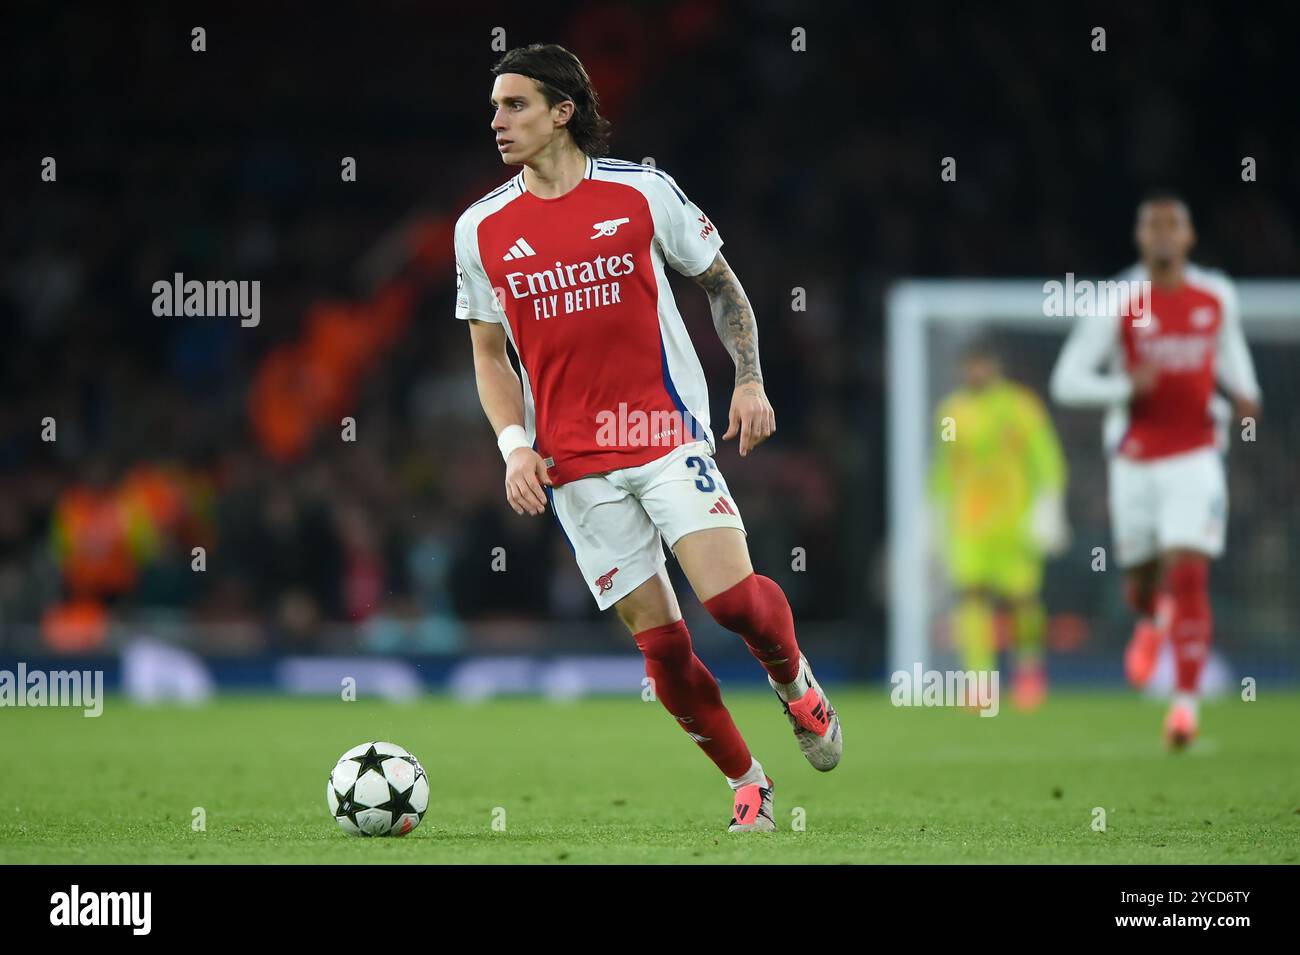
<point x="820" y="169"/>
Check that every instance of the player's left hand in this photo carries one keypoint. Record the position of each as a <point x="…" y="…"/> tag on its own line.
<point x="751" y="417"/>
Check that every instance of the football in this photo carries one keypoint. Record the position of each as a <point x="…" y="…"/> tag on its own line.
<point x="377" y="789"/>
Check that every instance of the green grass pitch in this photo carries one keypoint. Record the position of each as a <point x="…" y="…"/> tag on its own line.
<point x="615" y="780"/>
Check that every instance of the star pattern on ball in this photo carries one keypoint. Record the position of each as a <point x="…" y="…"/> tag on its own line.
<point x="399" y="804"/>
<point x="347" y="805"/>
<point x="370" y="759"/>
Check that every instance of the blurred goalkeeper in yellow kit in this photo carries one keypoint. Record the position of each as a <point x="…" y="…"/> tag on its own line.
<point x="997" y="481"/>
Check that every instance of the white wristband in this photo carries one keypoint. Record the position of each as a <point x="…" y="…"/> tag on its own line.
<point x="511" y="439"/>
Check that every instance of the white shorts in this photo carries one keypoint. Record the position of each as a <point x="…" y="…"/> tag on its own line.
<point x="617" y="522"/>
<point x="1178" y="502"/>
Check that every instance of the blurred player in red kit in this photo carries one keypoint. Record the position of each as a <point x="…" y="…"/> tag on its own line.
<point x="1154" y="361"/>
<point x="565" y="262"/>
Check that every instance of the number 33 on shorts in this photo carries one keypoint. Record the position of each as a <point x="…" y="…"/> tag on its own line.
<point x="710" y="481"/>
<point x="684" y="491"/>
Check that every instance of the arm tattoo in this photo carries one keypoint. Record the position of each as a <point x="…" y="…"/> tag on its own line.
<point x="733" y="318"/>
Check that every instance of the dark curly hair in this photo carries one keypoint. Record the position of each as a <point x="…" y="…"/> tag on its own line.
<point x="560" y="76"/>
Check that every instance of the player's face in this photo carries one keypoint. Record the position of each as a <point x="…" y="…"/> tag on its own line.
<point x="1164" y="233"/>
<point x="979" y="371"/>
<point x="524" y="125"/>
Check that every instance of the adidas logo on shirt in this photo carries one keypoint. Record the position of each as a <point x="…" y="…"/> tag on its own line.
<point x="722" y="507"/>
<point x="519" y="250"/>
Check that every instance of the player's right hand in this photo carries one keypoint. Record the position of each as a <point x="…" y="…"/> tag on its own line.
<point x="1144" y="377"/>
<point x="525" y="475"/>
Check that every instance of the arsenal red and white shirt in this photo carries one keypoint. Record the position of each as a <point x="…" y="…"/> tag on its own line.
<point x="610" y="377"/>
<point x="1191" y="334"/>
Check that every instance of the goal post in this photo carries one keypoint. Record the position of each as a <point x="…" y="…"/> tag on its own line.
<point x="928" y="321"/>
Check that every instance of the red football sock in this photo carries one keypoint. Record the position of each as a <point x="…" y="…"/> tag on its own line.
<point x="1191" y="623"/>
<point x="689" y="692"/>
<point x="756" y="609"/>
